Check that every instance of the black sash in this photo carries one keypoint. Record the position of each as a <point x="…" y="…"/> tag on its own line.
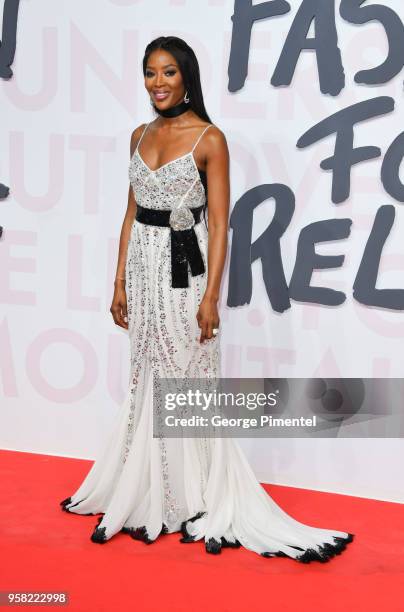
<point x="184" y="244"/>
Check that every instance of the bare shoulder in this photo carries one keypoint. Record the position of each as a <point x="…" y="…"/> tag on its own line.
<point x="135" y="137"/>
<point x="216" y="143"/>
<point x="215" y="134"/>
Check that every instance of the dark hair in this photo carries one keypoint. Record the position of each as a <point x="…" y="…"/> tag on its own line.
<point x="189" y="69"/>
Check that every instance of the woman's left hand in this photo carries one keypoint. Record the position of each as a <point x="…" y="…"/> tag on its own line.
<point x="208" y="318"/>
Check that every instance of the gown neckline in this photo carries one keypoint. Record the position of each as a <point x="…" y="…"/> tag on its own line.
<point x="169" y="162"/>
<point x="201" y="173"/>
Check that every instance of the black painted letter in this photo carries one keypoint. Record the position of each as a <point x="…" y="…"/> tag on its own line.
<point x="9" y="33"/>
<point x="345" y="156"/>
<point x="266" y="247"/>
<point x="245" y="13"/>
<point x="364" y="289"/>
<point x="352" y="11"/>
<point x="325" y="44"/>
<point x="307" y="260"/>
<point x="390" y="173"/>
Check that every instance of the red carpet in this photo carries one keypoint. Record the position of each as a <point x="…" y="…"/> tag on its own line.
<point x="46" y="549"/>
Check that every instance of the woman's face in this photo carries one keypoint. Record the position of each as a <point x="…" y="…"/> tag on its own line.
<point x="163" y="79"/>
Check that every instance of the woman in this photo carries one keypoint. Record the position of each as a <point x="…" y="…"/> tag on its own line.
<point x="144" y="485"/>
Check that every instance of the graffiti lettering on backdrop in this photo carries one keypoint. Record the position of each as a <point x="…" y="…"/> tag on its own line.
<point x="7" y="52"/>
<point x="342" y="125"/>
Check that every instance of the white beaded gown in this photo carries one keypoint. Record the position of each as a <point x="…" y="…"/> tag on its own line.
<point x="203" y="488"/>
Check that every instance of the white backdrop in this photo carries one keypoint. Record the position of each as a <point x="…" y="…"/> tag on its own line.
<point x="67" y="115"/>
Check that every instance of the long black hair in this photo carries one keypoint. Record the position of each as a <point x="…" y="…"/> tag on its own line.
<point x="189" y="68"/>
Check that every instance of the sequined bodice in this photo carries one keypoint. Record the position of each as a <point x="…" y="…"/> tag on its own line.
<point x="163" y="188"/>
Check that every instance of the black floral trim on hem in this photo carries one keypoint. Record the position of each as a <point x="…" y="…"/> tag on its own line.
<point x="327" y="551"/>
<point x="138" y="533"/>
<point x="187" y="537"/>
<point x="66" y="502"/>
<point x="229" y="543"/>
<point x="164" y="529"/>
<point x="212" y="546"/>
<point x="98" y="535"/>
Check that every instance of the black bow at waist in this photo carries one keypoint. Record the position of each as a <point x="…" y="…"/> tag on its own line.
<point x="184" y="243"/>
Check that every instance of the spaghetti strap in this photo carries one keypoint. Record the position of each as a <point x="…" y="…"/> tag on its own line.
<point x="139" y="141"/>
<point x="203" y="131"/>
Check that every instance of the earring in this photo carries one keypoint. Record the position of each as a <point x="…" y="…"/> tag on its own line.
<point x="186" y="98"/>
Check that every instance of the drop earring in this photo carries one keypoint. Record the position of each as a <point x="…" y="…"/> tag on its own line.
<point x="186" y="98"/>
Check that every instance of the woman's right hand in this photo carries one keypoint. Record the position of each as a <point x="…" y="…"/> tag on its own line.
<point x="119" y="308"/>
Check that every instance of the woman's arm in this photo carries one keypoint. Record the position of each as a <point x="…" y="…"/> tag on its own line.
<point x="217" y="171"/>
<point x="119" y="304"/>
